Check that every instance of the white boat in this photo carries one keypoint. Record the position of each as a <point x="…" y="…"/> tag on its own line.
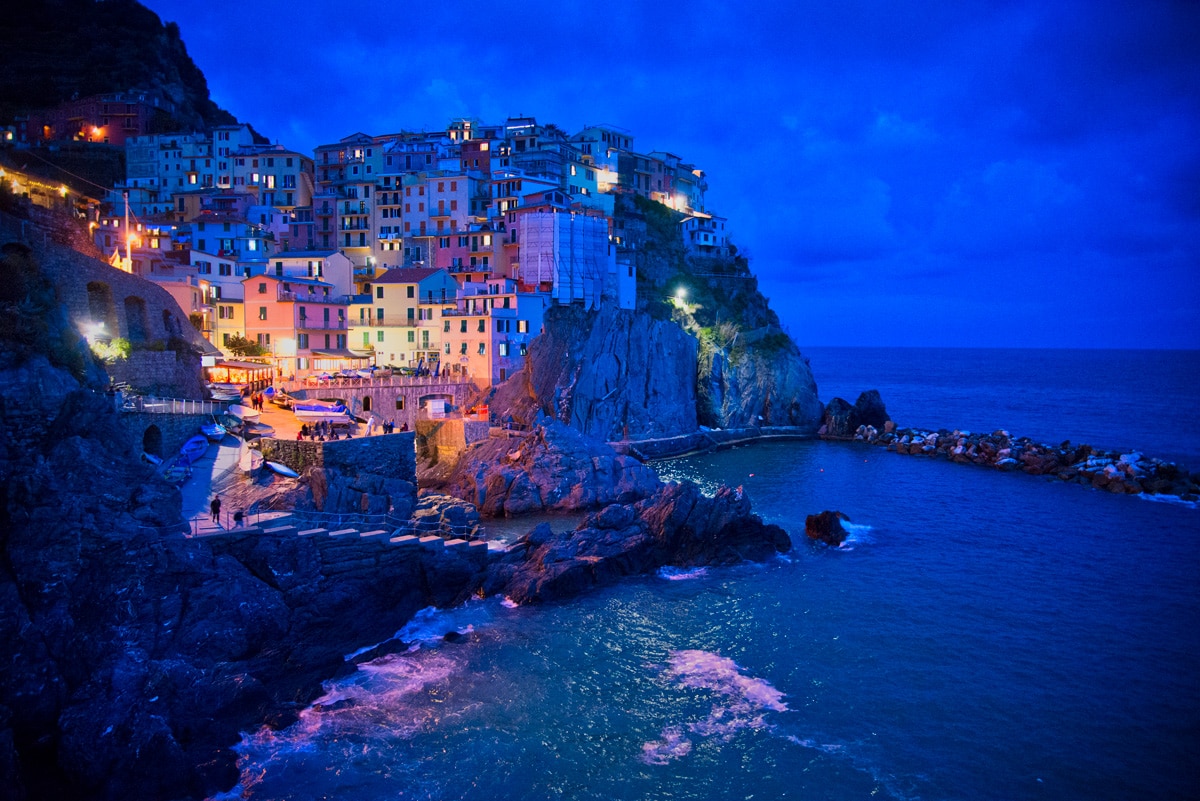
<point x="282" y="469"/>
<point x="314" y="411"/>
<point x="250" y="461"/>
<point x="244" y="413"/>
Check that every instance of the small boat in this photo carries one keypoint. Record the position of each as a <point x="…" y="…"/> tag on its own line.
<point x="176" y="474"/>
<point x="282" y="469"/>
<point x="193" y="449"/>
<point x="313" y="411"/>
<point x="150" y="458"/>
<point x="244" y="413"/>
<point x="214" y="431"/>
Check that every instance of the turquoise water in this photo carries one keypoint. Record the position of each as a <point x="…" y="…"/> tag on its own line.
<point x="983" y="635"/>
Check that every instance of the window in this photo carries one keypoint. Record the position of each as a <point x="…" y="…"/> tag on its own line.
<point x="523" y="349"/>
<point x="379" y="295"/>
<point x="262" y="312"/>
<point x="262" y="288"/>
<point x="482" y="348"/>
<point x="412" y="336"/>
<point x="503" y="346"/>
<point x="400" y="403"/>
<point x="447" y="348"/>
<point x="482" y="326"/>
<point x="522" y="326"/>
<point x="378" y="336"/>
<point x="464" y="349"/>
<point x="302" y="341"/>
<point x="446" y="326"/>
<point x="462" y="328"/>
<point x="410" y="291"/>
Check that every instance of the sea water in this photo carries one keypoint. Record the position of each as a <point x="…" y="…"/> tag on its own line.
<point x="981" y="635"/>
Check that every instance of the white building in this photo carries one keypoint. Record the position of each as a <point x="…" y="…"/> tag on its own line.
<point x="573" y="252"/>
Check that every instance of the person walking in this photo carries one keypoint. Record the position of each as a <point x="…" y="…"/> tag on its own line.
<point x="370" y="425"/>
<point x="215" y="508"/>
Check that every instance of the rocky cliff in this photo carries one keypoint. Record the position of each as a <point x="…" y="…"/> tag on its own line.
<point x="612" y="375"/>
<point x="702" y="348"/>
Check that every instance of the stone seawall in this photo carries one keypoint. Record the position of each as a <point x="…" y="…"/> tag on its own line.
<point x="700" y="441"/>
<point x="387" y="454"/>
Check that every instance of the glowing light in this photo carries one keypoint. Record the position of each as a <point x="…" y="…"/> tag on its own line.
<point x="62" y="190"/>
<point x="681" y="294"/>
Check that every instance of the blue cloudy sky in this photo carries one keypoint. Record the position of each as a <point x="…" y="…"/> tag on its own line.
<point x="902" y="173"/>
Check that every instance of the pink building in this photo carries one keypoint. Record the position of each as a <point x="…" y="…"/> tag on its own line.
<point x="302" y="322"/>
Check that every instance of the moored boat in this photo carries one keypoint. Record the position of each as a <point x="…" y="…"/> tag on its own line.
<point x="314" y="411"/>
<point x="282" y="469"/>
<point x="244" y="413"/>
<point x="193" y="449"/>
<point x="214" y="431"/>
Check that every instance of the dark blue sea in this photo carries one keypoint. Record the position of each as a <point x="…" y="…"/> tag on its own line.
<point x="982" y="635"/>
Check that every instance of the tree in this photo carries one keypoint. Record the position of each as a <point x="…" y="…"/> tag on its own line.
<point x="241" y="346"/>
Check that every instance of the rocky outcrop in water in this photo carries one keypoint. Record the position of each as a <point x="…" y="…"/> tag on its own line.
<point x="552" y="468"/>
<point x="677" y="526"/>
<point x="826" y="527"/>
<point x="841" y="420"/>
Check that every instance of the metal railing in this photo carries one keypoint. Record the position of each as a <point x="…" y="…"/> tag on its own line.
<point x="384" y="382"/>
<point x="149" y="404"/>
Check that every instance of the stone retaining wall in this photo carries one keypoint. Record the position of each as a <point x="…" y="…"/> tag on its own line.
<point x="449" y="438"/>
<point x="392" y="455"/>
<point x="371" y="553"/>
<point x="173" y="430"/>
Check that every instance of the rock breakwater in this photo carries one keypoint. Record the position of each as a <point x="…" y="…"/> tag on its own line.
<point x="1113" y="471"/>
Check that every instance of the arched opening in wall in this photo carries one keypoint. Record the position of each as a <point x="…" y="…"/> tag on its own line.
<point x="366" y="403"/>
<point x="152" y="441"/>
<point x="135" y="318"/>
<point x="101" y="311"/>
<point x="171" y="324"/>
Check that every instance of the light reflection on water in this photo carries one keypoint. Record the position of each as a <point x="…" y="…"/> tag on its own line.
<point x="990" y="636"/>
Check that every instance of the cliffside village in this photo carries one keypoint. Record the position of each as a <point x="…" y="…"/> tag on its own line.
<point x="437" y="250"/>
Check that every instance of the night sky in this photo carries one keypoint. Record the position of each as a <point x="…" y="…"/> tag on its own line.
<point x="1021" y="174"/>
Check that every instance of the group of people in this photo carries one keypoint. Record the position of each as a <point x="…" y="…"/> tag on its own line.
<point x="319" y="431"/>
<point x="385" y="427"/>
<point x="257" y="401"/>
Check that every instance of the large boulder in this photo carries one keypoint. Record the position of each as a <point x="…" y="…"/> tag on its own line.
<point x="826" y="527"/>
<point x="555" y="468"/>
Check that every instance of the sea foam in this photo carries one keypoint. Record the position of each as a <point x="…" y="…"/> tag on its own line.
<point x="742" y="703"/>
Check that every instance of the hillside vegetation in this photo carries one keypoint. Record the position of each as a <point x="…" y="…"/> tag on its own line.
<point x="53" y="50"/>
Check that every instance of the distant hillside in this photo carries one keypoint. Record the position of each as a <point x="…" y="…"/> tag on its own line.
<point x="53" y="50"/>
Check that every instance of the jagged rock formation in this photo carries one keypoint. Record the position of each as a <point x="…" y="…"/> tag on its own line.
<point x="611" y="374"/>
<point x="555" y="468"/>
<point x="841" y="420"/>
<point x="677" y="526"/>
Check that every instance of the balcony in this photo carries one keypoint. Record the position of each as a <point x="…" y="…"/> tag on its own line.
<point x="390" y="321"/>
<point x="304" y="324"/>
<point x="305" y="297"/>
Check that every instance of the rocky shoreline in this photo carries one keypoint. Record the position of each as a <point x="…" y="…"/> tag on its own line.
<point x="1120" y="473"/>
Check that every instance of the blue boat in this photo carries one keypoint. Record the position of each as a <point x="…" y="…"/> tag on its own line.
<point x="214" y="431"/>
<point x="193" y="449"/>
<point x="282" y="469"/>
